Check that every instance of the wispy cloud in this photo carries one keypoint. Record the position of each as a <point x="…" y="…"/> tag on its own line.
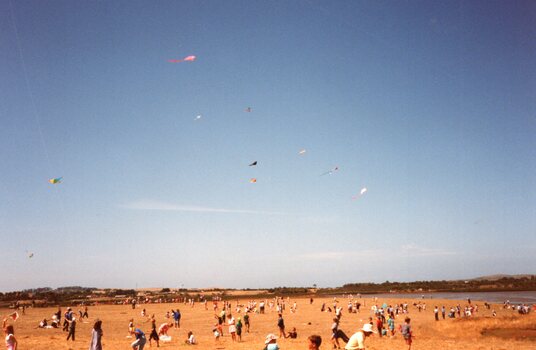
<point x="165" y="206"/>
<point x="416" y="250"/>
<point x="404" y="251"/>
<point x="322" y="256"/>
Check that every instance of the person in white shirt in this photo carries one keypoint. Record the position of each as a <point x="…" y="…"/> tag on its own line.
<point x="191" y="339"/>
<point x="357" y="341"/>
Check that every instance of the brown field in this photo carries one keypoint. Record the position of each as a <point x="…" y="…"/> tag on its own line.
<point x="506" y="331"/>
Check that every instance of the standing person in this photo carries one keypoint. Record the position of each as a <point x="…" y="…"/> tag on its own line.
<point x="9" y="332"/>
<point x="96" y="335"/>
<point x="140" y="341"/>
<point x="239" y="329"/>
<point x="314" y="342"/>
<point x="177" y="318"/>
<point x="232" y="327"/>
<point x="58" y="315"/>
<point x="72" y="328"/>
<point x="443" y="311"/>
<point x="246" y="322"/>
<point x="357" y="340"/>
<point x="154" y="333"/>
<point x="379" y="325"/>
<point x="281" y="326"/>
<point x="391" y="325"/>
<point x="68" y="317"/>
<point x="406" y="332"/>
<point x="436" y="313"/>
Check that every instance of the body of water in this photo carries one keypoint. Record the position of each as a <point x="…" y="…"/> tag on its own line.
<point x="528" y="297"/>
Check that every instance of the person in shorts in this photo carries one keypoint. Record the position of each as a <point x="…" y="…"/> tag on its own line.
<point x="406" y="332"/>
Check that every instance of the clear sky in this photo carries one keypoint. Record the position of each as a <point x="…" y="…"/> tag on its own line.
<point x="430" y="105"/>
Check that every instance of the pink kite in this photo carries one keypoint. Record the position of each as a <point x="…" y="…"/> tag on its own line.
<point x="185" y="59"/>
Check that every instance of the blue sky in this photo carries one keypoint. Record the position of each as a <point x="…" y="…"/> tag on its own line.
<point x="429" y="105"/>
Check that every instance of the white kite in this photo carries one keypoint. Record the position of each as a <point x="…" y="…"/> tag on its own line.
<point x="330" y="172"/>
<point x="362" y="192"/>
<point x="302" y="152"/>
<point x="198" y="117"/>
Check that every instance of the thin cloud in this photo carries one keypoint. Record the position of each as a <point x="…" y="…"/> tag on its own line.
<point x="404" y="251"/>
<point x="322" y="256"/>
<point x="415" y="250"/>
<point x="153" y="205"/>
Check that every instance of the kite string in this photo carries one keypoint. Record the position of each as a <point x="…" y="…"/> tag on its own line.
<point x="27" y="81"/>
<point x="36" y="115"/>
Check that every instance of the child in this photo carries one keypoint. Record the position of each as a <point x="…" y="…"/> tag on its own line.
<point x="216" y="334"/>
<point x="391" y="325"/>
<point x="191" y="339"/>
<point x="293" y="334"/>
<point x="406" y="332"/>
<point x="239" y="329"/>
<point x="9" y="331"/>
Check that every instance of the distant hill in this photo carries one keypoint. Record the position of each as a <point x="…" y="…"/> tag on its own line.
<point x="500" y="276"/>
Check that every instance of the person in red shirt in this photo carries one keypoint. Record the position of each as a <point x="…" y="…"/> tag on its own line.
<point x="379" y="325"/>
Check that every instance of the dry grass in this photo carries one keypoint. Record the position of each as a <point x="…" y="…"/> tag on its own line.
<point x="429" y="334"/>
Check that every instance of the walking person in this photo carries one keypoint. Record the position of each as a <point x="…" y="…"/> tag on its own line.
<point x="72" y="328"/>
<point x="232" y="327"/>
<point x="246" y="322"/>
<point x="96" y="336"/>
<point x="281" y="326"/>
<point x="154" y="333"/>
<point x="406" y="332"/>
<point x="337" y="334"/>
<point x="239" y="329"/>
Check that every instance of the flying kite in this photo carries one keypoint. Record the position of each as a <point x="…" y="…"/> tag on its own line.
<point x="185" y="59"/>
<point x="14" y="315"/>
<point x="249" y="109"/>
<point x="331" y="171"/>
<point x="30" y="255"/>
<point x="253" y="164"/>
<point x="198" y="117"/>
<point x="302" y="151"/>
<point x="253" y="180"/>
<point x="362" y="192"/>
<point x="56" y="180"/>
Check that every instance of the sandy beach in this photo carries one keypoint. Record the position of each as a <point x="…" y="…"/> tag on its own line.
<point x="482" y="331"/>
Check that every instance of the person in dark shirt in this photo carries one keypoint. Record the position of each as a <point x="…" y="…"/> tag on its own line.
<point x="72" y="328"/>
<point x="281" y="326"/>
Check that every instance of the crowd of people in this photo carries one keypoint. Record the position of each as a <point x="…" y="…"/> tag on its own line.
<point x="381" y="323"/>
